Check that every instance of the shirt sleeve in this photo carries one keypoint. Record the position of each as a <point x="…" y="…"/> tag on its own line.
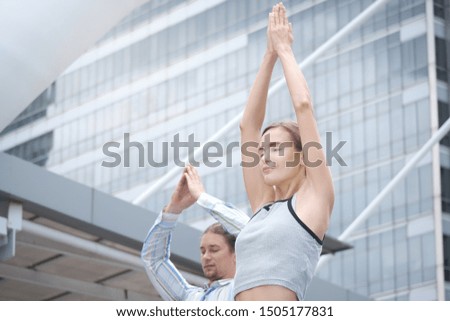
<point x="155" y="255"/>
<point x="232" y="219"/>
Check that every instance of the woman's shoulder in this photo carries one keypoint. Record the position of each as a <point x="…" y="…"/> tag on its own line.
<point x="313" y="210"/>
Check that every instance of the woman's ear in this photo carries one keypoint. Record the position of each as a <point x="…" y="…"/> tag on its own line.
<point x="297" y="161"/>
<point x="301" y="160"/>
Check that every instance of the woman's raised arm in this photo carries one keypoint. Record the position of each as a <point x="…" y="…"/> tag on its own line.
<point x="313" y="155"/>
<point x="252" y="120"/>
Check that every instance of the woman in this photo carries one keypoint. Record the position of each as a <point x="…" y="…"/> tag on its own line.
<point x="290" y="192"/>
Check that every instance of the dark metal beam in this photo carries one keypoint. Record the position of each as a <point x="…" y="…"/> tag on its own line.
<point x="84" y="208"/>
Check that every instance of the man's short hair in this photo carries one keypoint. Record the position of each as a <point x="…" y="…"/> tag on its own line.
<point x="217" y="228"/>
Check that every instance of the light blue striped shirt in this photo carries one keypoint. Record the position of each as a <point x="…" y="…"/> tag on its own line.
<point x="165" y="277"/>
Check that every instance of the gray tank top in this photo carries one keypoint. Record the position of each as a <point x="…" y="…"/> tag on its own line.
<point x="276" y="248"/>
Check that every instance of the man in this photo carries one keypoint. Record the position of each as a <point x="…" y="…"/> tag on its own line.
<point x="217" y="245"/>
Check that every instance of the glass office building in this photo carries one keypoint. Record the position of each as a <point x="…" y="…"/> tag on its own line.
<point x="185" y="67"/>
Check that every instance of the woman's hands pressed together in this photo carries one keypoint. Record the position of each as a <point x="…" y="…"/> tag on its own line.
<point x="279" y="30"/>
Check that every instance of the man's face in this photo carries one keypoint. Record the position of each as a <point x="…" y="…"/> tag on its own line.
<point x="218" y="260"/>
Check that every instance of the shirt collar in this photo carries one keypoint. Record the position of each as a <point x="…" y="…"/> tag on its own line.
<point x="218" y="283"/>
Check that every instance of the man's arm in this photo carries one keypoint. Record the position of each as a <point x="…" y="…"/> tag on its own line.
<point x="231" y="218"/>
<point x="155" y="254"/>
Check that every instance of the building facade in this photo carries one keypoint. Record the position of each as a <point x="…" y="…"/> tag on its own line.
<point x="177" y="69"/>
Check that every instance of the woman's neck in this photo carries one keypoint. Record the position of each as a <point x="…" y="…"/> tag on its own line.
<point x="286" y="189"/>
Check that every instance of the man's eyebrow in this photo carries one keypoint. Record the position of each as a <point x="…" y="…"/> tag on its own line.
<point x="210" y="246"/>
<point x="214" y="246"/>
